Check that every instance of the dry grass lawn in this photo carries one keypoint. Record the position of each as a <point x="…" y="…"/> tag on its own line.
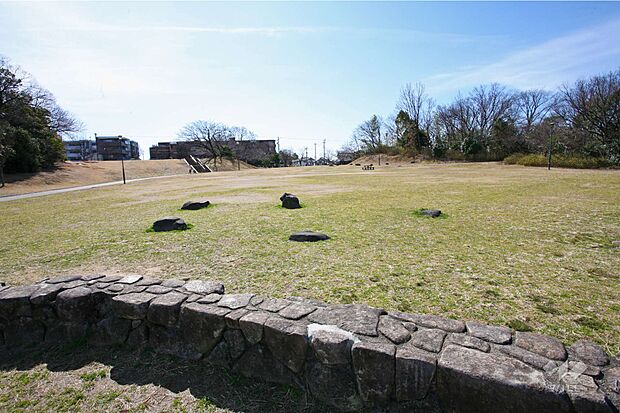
<point x="525" y="247"/>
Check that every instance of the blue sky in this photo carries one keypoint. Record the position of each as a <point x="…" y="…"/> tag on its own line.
<point x="301" y="71"/>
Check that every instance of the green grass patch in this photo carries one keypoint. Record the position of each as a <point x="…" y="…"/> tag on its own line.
<point x="519" y="325"/>
<point x="94" y="375"/>
<point x="106" y="397"/>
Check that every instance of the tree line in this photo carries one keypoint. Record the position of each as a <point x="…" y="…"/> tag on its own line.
<point x="31" y="123"/>
<point x="493" y="121"/>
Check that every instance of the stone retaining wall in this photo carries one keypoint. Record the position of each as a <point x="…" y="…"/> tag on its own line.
<point x="349" y="356"/>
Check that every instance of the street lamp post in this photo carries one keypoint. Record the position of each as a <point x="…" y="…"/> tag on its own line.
<point x="552" y="124"/>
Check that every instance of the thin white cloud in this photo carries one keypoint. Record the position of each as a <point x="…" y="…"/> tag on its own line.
<point x="542" y="66"/>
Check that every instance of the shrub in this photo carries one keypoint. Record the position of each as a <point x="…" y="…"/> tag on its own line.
<point x="558" y="161"/>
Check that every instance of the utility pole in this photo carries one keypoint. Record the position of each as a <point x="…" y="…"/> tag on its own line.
<point x="315" y="153"/>
<point x="278" y="140"/>
<point x="324" y="158"/>
<point x="123" y="167"/>
<point x="306" y="149"/>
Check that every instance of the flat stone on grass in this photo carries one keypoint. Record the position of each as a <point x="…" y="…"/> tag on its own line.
<point x="433" y="213"/>
<point x="169" y="224"/>
<point x="308" y="236"/>
<point x="195" y="205"/>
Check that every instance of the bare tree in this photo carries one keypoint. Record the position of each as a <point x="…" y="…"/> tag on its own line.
<point x="593" y="106"/>
<point x="367" y="135"/>
<point x="532" y="106"/>
<point x="211" y="135"/>
<point x="417" y="104"/>
<point x="490" y="103"/>
<point x="241" y="133"/>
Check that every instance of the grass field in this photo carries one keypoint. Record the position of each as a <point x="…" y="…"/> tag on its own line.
<point x="524" y="247"/>
<point x="519" y="246"/>
<point x="69" y="174"/>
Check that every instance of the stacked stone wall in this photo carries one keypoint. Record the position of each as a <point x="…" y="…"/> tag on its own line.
<point x="350" y="357"/>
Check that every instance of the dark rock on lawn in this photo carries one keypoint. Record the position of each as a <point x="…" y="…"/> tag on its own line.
<point x="236" y="343"/>
<point x="308" y="236"/>
<point x="434" y="213"/>
<point x="290" y="201"/>
<point x="195" y="205"/>
<point x="65" y="331"/>
<point x="169" y="224"/>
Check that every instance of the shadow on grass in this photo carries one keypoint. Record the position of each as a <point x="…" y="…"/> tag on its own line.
<point x="142" y="366"/>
